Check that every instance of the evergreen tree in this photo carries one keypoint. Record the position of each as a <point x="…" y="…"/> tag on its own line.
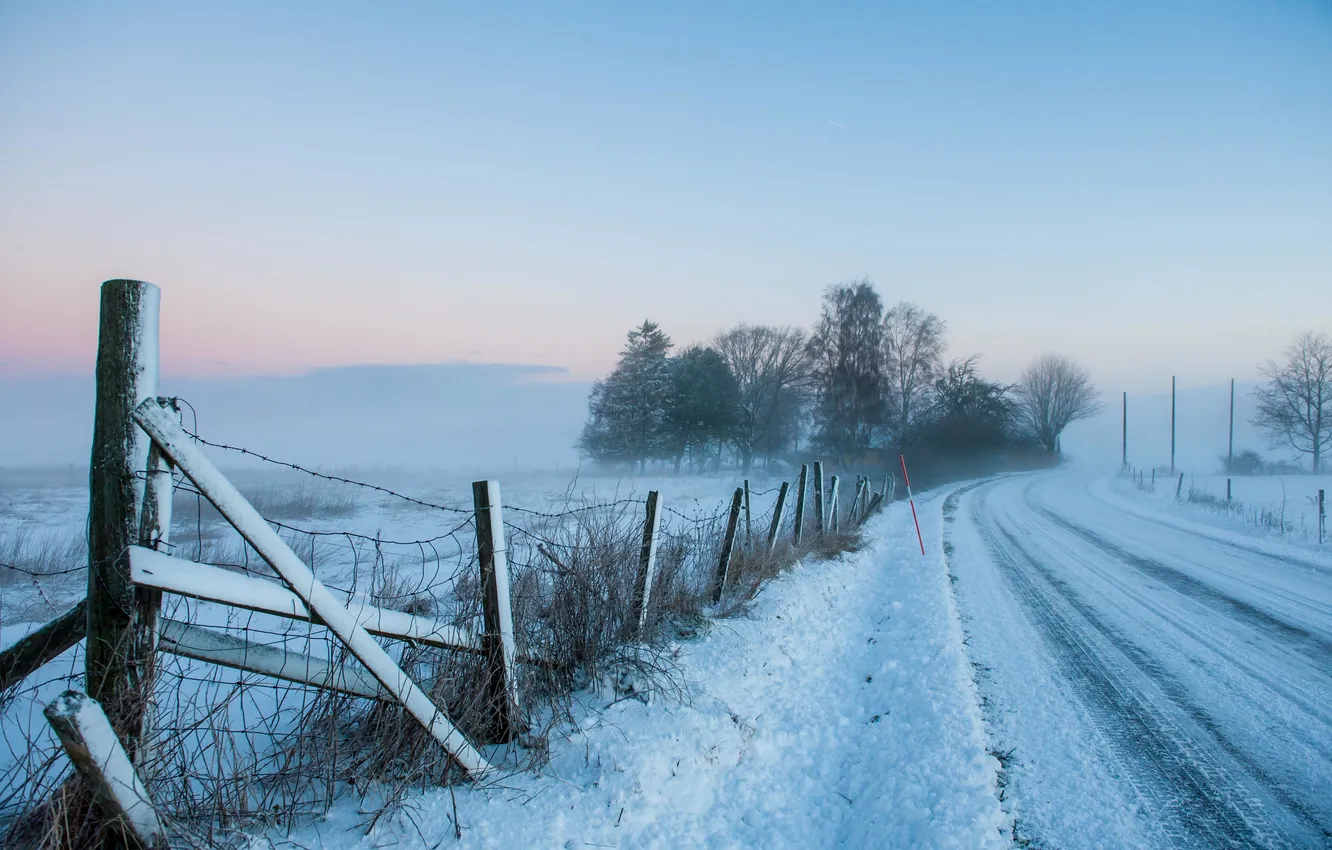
<point x="703" y="404"/>
<point x="627" y="409"/>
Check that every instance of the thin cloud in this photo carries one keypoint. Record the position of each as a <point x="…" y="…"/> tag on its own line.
<point x="838" y="126"/>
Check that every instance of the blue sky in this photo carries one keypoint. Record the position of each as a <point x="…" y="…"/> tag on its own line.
<point x="1146" y="187"/>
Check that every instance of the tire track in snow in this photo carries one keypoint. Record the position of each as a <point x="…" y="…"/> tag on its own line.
<point x="1313" y="645"/>
<point x="1205" y="806"/>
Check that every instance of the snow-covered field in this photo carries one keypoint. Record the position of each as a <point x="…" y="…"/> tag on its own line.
<point x="1278" y="506"/>
<point x="1075" y="662"/>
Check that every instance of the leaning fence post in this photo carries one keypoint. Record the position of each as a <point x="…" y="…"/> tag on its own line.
<point x="647" y="562"/>
<point x="749" y="530"/>
<point x="96" y="752"/>
<point x="778" y="513"/>
<point x="498" y="640"/>
<point x="120" y="628"/>
<point x="818" y="498"/>
<point x="832" y="504"/>
<point x="728" y="544"/>
<point x="852" y="514"/>
<point x="1180" y="487"/>
<point x="801" y="482"/>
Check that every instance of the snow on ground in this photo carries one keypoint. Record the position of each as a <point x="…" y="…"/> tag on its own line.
<point x="841" y="712"/>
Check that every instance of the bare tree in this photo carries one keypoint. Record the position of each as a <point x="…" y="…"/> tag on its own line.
<point x="846" y="351"/>
<point x="1295" y="402"/>
<point x="913" y="347"/>
<point x="772" y="371"/>
<point x="1052" y="393"/>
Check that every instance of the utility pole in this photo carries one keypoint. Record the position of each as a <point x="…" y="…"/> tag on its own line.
<point x="1125" y="462"/>
<point x="1172" y="425"/>
<point x="1230" y="452"/>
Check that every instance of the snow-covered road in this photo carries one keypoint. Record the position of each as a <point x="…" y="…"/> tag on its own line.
<point x="1158" y="683"/>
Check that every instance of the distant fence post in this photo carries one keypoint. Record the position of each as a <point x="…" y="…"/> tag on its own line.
<point x="778" y="513"/>
<point x="498" y="640"/>
<point x="749" y="526"/>
<point x="801" y="482"/>
<point x="1179" y="488"/>
<point x="121" y="619"/>
<point x="1322" y="515"/>
<point x="852" y="514"/>
<point x="86" y="735"/>
<point x="647" y="562"/>
<point x="728" y="545"/>
<point x="1228" y="491"/>
<point x="833" y="522"/>
<point x="818" y="498"/>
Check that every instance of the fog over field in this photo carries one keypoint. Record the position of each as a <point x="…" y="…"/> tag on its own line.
<point x="465" y="417"/>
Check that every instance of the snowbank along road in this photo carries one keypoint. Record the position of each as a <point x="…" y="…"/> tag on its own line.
<point x="840" y="712"/>
<point x="1155" y="683"/>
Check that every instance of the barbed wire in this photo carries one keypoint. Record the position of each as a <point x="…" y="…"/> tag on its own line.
<point x="316" y="474"/>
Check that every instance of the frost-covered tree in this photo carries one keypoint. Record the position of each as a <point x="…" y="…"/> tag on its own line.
<point x="627" y="409"/>
<point x="913" y="347"/>
<point x="771" y="369"/>
<point x="1052" y="393"/>
<point x="702" y="408"/>
<point x="1295" y="402"/>
<point x="846" y="352"/>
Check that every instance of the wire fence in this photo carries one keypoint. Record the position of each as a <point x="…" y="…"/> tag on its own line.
<point x="228" y="750"/>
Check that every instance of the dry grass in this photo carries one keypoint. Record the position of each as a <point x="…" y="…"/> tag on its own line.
<point x="26" y="554"/>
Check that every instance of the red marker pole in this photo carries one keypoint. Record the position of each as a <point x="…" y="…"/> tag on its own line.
<point x="906" y="479"/>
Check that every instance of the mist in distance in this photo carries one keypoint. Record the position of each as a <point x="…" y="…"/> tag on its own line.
<point x="458" y="418"/>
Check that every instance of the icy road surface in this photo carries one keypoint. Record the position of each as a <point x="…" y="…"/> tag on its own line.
<point x="1158" y="683"/>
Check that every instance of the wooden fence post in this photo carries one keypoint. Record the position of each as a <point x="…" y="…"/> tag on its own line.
<point x="96" y="752"/>
<point x="1180" y="487"/>
<point x="818" y="498"/>
<point x="778" y="513"/>
<point x="853" y="514"/>
<point x="120" y="625"/>
<point x="647" y="563"/>
<point x="1322" y="515"/>
<point x="498" y="640"/>
<point x="832" y="505"/>
<point x="728" y="544"/>
<point x="1227" y="489"/>
<point x="801" y="483"/>
<point x="749" y="530"/>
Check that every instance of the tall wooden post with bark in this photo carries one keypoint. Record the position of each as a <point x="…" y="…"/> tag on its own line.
<point x="122" y="619"/>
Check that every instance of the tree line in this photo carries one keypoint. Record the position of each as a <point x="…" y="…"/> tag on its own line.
<point x="864" y="378"/>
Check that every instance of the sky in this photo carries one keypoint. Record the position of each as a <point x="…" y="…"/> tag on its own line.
<point x="1143" y="186"/>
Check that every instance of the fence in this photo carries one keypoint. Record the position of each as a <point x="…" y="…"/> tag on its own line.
<point x="251" y="682"/>
<point x="1286" y="504"/>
